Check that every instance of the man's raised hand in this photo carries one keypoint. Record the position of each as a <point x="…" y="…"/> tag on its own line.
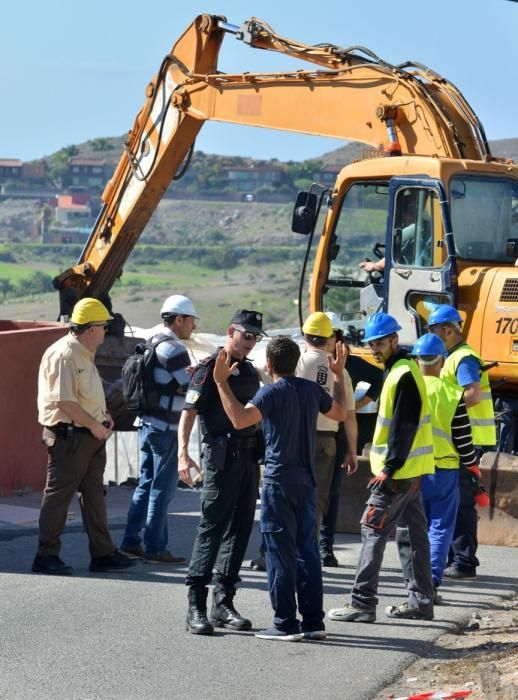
<point x="222" y="367"/>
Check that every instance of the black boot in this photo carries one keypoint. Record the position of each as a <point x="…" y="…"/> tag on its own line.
<point x="223" y="612"/>
<point x="197" y="622"/>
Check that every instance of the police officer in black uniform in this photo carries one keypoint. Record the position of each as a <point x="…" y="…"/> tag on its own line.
<point x="230" y="482"/>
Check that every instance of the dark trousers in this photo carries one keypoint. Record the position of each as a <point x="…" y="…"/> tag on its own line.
<point x="463" y="551"/>
<point x="325" y="458"/>
<point x="288" y="518"/>
<point x="75" y="464"/>
<point x="384" y="512"/>
<point x="366" y="424"/>
<point x="328" y="526"/>
<point x="228" y="499"/>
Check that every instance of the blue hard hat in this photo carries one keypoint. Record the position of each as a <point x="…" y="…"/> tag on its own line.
<point x="429" y="344"/>
<point x="444" y="313"/>
<point x="379" y="325"/>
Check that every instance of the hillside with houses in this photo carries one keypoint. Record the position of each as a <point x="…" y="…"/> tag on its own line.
<point x="57" y="199"/>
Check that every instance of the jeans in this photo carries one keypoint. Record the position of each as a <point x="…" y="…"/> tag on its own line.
<point x="288" y="517"/>
<point x="157" y="484"/>
<point x="228" y="499"/>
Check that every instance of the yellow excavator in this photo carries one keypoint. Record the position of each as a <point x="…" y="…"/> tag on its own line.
<point x="443" y="210"/>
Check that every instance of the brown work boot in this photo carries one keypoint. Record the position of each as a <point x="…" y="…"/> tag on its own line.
<point x="165" y="558"/>
<point x="137" y="551"/>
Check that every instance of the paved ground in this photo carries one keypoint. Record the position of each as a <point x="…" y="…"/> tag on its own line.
<point x="97" y="636"/>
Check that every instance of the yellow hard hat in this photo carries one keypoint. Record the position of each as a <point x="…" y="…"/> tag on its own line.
<point x="318" y="323"/>
<point x="89" y="310"/>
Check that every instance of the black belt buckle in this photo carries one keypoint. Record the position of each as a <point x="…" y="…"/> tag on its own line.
<point x="62" y="430"/>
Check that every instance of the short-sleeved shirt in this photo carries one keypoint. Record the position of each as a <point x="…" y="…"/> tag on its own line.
<point x="468" y="371"/>
<point x="314" y="365"/>
<point x="203" y="395"/>
<point x="289" y="409"/>
<point x="68" y="373"/>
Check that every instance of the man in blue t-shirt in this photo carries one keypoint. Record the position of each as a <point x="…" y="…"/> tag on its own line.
<point x="288" y="409"/>
<point x="445" y="321"/>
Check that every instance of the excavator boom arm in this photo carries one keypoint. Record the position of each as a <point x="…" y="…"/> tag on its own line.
<point x="354" y="95"/>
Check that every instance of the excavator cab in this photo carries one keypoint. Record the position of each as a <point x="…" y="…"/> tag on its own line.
<point x="409" y="219"/>
<point x="420" y="263"/>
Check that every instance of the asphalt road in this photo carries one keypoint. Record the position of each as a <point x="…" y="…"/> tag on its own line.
<point x="111" y="636"/>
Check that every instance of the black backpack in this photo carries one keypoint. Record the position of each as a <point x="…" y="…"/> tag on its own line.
<point x="141" y="392"/>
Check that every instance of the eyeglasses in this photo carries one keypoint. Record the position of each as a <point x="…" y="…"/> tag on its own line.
<point x="248" y="336"/>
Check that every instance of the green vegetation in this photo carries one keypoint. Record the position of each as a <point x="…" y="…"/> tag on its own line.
<point x="224" y="254"/>
<point x="57" y="165"/>
<point x="101" y="144"/>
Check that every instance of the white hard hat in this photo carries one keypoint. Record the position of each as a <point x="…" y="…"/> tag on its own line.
<point x="178" y="304"/>
<point x="337" y="324"/>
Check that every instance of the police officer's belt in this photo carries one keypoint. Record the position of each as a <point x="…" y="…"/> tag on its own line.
<point x="62" y="430"/>
<point x="242" y="443"/>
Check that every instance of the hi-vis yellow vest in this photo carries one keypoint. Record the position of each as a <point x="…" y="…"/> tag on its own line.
<point x="481" y="416"/>
<point x="443" y="399"/>
<point x="420" y="458"/>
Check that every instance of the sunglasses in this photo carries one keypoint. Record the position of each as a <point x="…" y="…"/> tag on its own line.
<point x="104" y="326"/>
<point x="247" y="335"/>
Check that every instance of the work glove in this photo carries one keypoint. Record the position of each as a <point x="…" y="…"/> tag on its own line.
<point x="475" y="470"/>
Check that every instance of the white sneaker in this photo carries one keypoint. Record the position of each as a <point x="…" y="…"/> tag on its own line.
<point x="279" y="635"/>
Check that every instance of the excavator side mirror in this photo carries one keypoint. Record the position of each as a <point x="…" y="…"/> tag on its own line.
<point x="304" y="213"/>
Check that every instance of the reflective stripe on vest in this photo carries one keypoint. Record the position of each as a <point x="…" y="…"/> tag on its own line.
<point x="420" y="458"/>
<point x="443" y="399"/>
<point x="481" y="416"/>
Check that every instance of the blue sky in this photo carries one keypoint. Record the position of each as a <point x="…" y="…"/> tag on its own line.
<point x="73" y="71"/>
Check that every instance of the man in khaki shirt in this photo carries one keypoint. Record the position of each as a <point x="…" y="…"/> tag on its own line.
<point x="314" y="365"/>
<point x="72" y="410"/>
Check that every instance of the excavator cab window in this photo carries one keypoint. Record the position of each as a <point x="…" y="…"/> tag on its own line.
<point x="484" y="214"/>
<point x="361" y="223"/>
<point x="412" y="243"/>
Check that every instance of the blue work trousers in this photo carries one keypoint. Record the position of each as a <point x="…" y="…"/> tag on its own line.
<point x="288" y="527"/>
<point x="440" y="495"/>
<point x="156" y="487"/>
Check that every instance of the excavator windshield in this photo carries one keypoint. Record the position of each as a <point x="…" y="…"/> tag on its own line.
<point x="484" y="214"/>
<point x="361" y="222"/>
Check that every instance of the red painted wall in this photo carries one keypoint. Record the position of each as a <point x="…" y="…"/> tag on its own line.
<point x="23" y="458"/>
